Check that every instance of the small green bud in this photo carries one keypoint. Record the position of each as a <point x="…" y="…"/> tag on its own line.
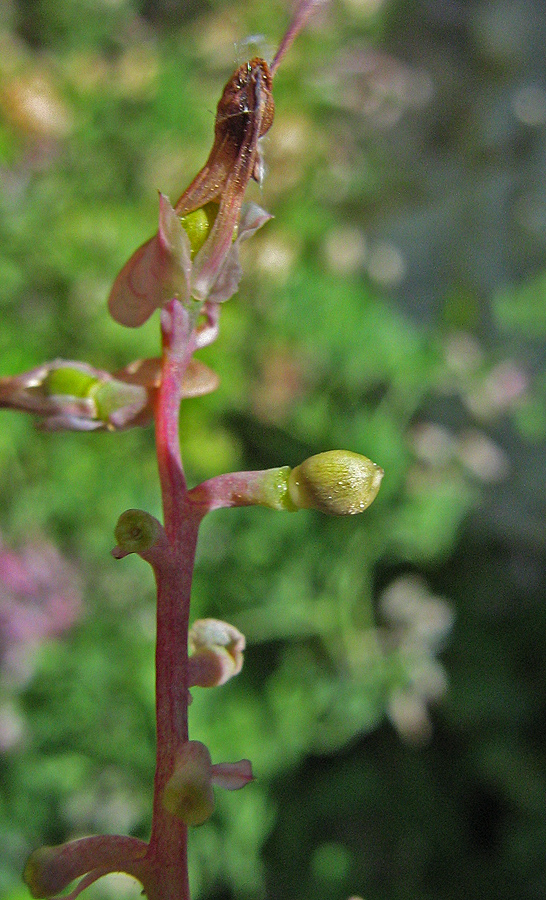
<point x="68" y="381"/>
<point x="188" y="794"/>
<point x="137" y="531"/>
<point x="198" y="224"/>
<point x="339" y="483"/>
<point x="114" y="395"/>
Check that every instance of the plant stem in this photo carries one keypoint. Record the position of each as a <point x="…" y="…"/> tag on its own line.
<point x="177" y="331"/>
<point x="167" y="854"/>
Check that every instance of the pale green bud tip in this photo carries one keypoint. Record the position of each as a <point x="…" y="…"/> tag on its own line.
<point x="188" y="794"/>
<point x="137" y="531"/>
<point x="275" y="492"/>
<point x="338" y="482"/>
<point x="40" y="873"/>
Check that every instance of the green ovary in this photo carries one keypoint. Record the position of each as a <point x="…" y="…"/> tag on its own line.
<point x="198" y="224"/>
<point x="70" y="382"/>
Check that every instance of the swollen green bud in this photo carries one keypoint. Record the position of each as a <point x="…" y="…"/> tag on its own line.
<point x="115" y="396"/>
<point x="198" y="224"/>
<point x="137" y="531"/>
<point x="339" y="483"/>
<point x="188" y="794"/>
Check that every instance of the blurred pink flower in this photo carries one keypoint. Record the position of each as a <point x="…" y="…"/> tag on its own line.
<point x="40" y="598"/>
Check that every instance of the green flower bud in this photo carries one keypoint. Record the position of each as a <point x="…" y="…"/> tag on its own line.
<point x="198" y="224"/>
<point x="78" y="397"/>
<point x="115" y="396"/>
<point x="70" y="381"/>
<point x="339" y="483"/>
<point x="137" y="531"/>
<point x="188" y="794"/>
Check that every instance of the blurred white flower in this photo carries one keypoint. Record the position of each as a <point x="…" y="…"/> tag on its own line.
<point x="482" y="457"/>
<point x="420" y="624"/>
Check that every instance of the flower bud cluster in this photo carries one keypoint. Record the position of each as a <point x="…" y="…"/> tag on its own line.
<point x="186" y="270"/>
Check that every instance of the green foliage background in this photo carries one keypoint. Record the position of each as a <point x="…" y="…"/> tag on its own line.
<point x="315" y="352"/>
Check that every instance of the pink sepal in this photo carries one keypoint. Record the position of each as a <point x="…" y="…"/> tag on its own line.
<point x="50" y="870"/>
<point x="158" y="270"/>
<point x="232" y="776"/>
<point x="253" y="217"/>
<point x="216" y="280"/>
<point x="85" y="882"/>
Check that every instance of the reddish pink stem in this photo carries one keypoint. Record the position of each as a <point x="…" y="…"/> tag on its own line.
<point x="167" y="856"/>
<point x="179" y="343"/>
<point x="304" y="10"/>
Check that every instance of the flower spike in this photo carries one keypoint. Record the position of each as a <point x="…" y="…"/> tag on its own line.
<point x="162" y="268"/>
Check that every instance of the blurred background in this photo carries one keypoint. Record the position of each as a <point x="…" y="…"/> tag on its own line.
<point x="393" y="699"/>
